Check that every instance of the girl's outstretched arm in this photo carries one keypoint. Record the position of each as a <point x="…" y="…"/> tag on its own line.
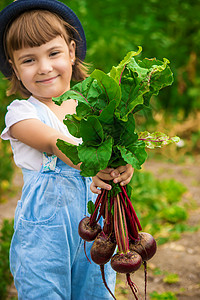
<point x="122" y="175"/>
<point x="42" y="137"/>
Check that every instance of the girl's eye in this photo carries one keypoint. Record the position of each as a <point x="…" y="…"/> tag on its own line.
<point x="54" y="53"/>
<point x="28" y="61"/>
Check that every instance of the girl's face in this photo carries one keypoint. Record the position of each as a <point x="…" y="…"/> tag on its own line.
<point x="46" y="70"/>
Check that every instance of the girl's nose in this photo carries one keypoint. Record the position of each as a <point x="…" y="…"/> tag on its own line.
<point x="44" y="66"/>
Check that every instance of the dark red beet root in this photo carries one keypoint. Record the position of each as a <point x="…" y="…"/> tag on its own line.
<point x="87" y="232"/>
<point x="126" y="263"/>
<point x="102" y="249"/>
<point x="145" y="246"/>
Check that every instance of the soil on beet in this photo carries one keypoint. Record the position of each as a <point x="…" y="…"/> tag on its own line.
<point x="181" y="257"/>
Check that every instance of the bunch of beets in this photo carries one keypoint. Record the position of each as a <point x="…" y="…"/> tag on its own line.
<point x="121" y="228"/>
<point x="105" y="122"/>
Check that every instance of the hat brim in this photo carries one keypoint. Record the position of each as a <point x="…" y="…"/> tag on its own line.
<point x="9" y="13"/>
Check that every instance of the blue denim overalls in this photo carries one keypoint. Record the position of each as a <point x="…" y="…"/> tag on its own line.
<point x="47" y="255"/>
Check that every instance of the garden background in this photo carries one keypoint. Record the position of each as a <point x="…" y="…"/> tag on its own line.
<point x="166" y="191"/>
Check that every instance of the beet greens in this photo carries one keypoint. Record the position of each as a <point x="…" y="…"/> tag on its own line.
<point x="105" y="121"/>
<point x="104" y="116"/>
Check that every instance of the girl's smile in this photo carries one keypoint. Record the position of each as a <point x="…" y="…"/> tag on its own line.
<point x="45" y="70"/>
<point x="48" y="80"/>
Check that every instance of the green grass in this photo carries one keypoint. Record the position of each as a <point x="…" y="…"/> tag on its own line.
<point x="163" y="296"/>
<point x="171" y="278"/>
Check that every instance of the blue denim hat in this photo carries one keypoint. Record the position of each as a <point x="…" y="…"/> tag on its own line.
<point x="13" y="10"/>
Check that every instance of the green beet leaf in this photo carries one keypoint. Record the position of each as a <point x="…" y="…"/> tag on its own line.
<point x="87" y="92"/>
<point x="140" y="80"/>
<point x="116" y="72"/>
<point x="91" y="131"/>
<point x="127" y="135"/>
<point x="160" y="73"/>
<point x="95" y="159"/>
<point x="109" y="86"/>
<point x="159" y="76"/>
<point x="133" y="88"/>
<point x="90" y="207"/>
<point x="78" y="92"/>
<point x="107" y="114"/>
<point x="71" y="151"/>
<point x="83" y="110"/>
<point x="157" y="139"/>
<point x="116" y="159"/>
<point x="104" y="116"/>
<point x="134" y="154"/>
<point x="73" y="125"/>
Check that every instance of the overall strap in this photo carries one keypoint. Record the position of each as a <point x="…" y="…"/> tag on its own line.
<point x="41" y="112"/>
<point x="49" y="162"/>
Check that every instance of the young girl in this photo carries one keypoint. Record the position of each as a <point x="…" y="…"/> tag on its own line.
<point x="42" y="46"/>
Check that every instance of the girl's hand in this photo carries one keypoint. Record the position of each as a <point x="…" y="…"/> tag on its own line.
<point x="122" y="175"/>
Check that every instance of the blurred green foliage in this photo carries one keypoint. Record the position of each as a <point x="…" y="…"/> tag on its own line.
<point x="163" y="296"/>
<point x="6" y="165"/>
<point x="5" y="275"/>
<point x="168" y="29"/>
<point x="171" y="278"/>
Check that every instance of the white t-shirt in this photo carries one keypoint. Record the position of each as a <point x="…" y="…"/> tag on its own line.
<point x="18" y="110"/>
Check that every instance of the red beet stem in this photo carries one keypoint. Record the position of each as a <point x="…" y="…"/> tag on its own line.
<point x="131" y="206"/>
<point x="122" y="233"/>
<point x="94" y="215"/>
<point x="106" y="227"/>
<point x="131" y="219"/>
<point x="116" y="229"/>
<point x="103" y="202"/>
<point x="131" y="237"/>
<point x="106" y="213"/>
<point x="110" y="216"/>
<point x="108" y="222"/>
<point x="97" y="203"/>
<point x="104" y="281"/>
<point x="126" y="229"/>
<point x="97" y="200"/>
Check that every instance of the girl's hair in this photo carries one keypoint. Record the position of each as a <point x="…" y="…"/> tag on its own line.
<point x="35" y="28"/>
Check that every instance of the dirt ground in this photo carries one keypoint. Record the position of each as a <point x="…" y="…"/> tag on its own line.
<point x="181" y="257"/>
